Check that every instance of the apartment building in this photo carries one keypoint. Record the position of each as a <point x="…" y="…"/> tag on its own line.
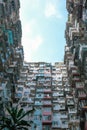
<point x="57" y="92"/>
<point x="76" y="55"/>
<point x="11" y="50"/>
<point x="46" y="88"/>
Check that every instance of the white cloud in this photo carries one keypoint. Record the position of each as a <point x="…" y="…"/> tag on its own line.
<point x="31" y="45"/>
<point x="28" y="27"/>
<point x="36" y="42"/>
<point x="30" y="41"/>
<point x="30" y="4"/>
<point x="51" y="10"/>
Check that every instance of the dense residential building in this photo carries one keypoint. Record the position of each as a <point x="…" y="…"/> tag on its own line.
<point x="58" y="92"/>
<point x="11" y="50"/>
<point x="42" y="86"/>
<point x="46" y="88"/>
<point x="76" y="55"/>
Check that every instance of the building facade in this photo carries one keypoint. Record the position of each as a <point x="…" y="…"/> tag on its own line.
<point x="46" y="88"/>
<point x="57" y="92"/>
<point x="11" y="50"/>
<point x="76" y="55"/>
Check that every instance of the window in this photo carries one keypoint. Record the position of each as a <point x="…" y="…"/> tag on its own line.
<point x="46" y="127"/>
<point x="48" y="117"/>
<point x="55" y="123"/>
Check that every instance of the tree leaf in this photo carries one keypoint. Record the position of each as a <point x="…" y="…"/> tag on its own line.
<point x="20" y="112"/>
<point x="23" y="123"/>
<point x="26" y="113"/>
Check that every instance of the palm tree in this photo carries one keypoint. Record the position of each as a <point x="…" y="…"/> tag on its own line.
<point x="15" y="120"/>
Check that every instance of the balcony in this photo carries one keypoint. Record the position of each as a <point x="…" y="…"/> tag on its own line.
<point x="47" y="113"/>
<point x="63" y="114"/>
<point x="53" y="83"/>
<point x="31" y="83"/>
<point x="84" y="108"/>
<point x="40" y="84"/>
<point x="73" y="119"/>
<point x="21" y="81"/>
<point x="10" y="70"/>
<point x="56" y="107"/>
<point x="61" y="100"/>
<point x="27" y="100"/>
<point x="47" y="109"/>
<point x="47" y="84"/>
<point x="37" y="115"/>
<point x="47" y="103"/>
<point x="39" y="96"/>
<point x="48" y="79"/>
<point x="55" y="94"/>
<point x="61" y="93"/>
<point x="24" y="72"/>
<point x="67" y="89"/>
<point x="23" y="75"/>
<point x="47" y="97"/>
<point x="75" y="79"/>
<point x="72" y="31"/>
<point x="18" y="95"/>
<point x="75" y="73"/>
<point x="46" y="127"/>
<point x="26" y="93"/>
<point x="55" y="124"/>
<point x="64" y="124"/>
<point x="32" y="91"/>
<point x="72" y="110"/>
<point x="73" y="68"/>
<point x="58" y="94"/>
<point x="82" y="104"/>
<point x="82" y="95"/>
<point x="56" y="121"/>
<point x="20" y="89"/>
<point x="62" y="107"/>
<point x="47" y="91"/>
<point x="38" y="103"/>
<point x="79" y="85"/>
<point x="39" y="90"/>
<point x="47" y="119"/>
<point x="70" y="102"/>
<point x="47" y="74"/>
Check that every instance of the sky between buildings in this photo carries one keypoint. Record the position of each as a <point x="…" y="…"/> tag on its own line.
<point x="43" y="29"/>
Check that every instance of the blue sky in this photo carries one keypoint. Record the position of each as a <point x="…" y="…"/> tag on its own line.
<point x="43" y="26"/>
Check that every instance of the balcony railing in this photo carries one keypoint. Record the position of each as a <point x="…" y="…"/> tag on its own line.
<point x="47" y="103"/>
<point x="64" y="124"/>
<point x="47" y="97"/>
<point x="72" y="110"/>
<point x="75" y="79"/>
<point x="81" y="95"/>
<point x="47" y="91"/>
<point x="79" y="85"/>
<point x="38" y="103"/>
<point x="47" y="119"/>
<point x="63" y="115"/>
<point x="70" y="102"/>
<point x="49" y="113"/>
<point x="56" y="107"/>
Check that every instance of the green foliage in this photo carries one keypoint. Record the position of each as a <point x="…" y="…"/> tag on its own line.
<point x="15" y="119"/>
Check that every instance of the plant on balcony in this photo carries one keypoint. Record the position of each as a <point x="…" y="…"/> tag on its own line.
<point x="15" y="119"/>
